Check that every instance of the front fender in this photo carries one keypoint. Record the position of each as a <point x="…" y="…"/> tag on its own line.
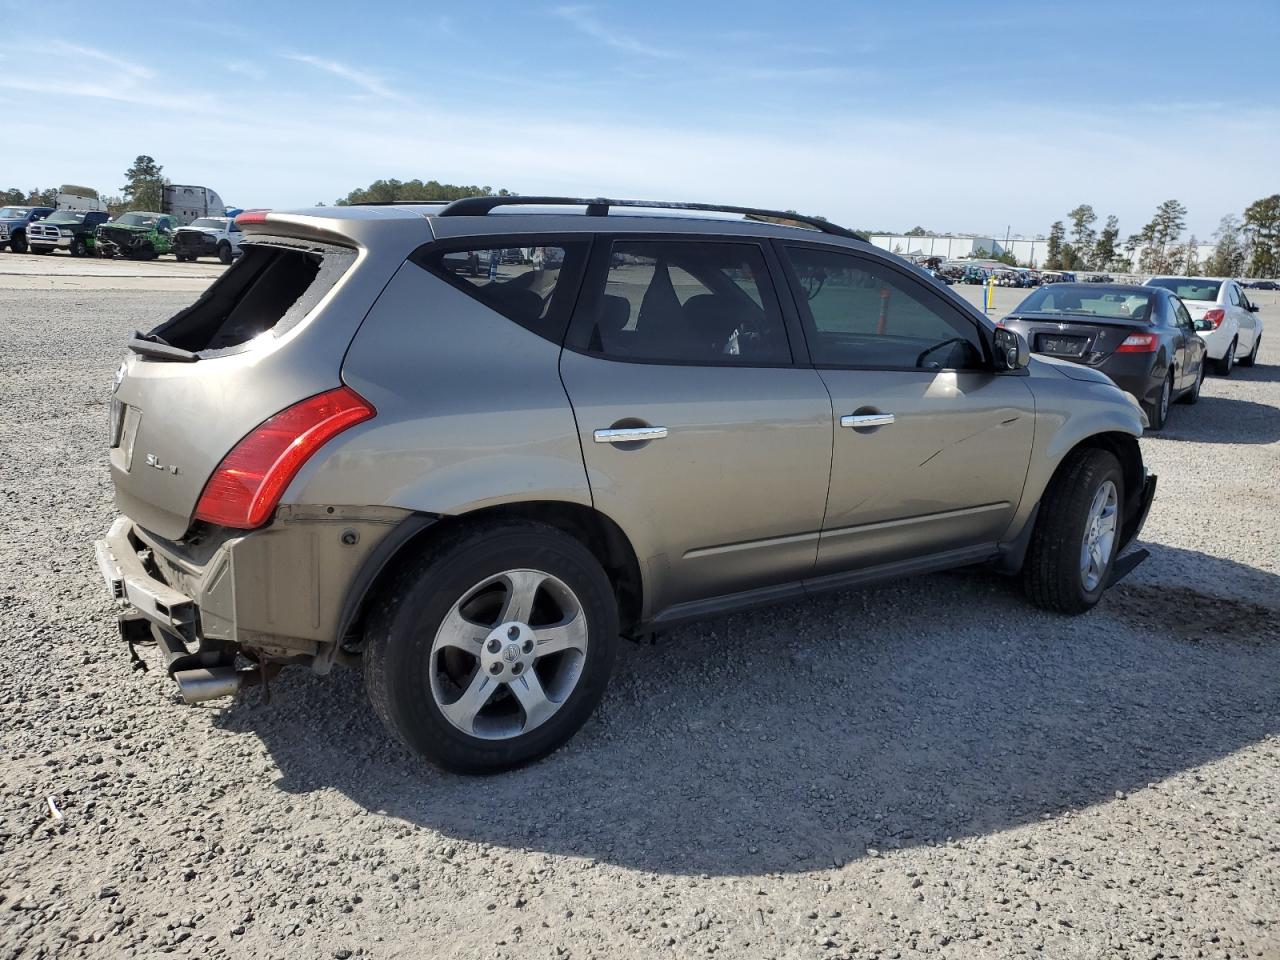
<point x="1070" y="412"/>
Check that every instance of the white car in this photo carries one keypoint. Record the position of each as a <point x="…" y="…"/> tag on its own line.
<point x="1225" y="319"/>
<point x="208" y="237"/>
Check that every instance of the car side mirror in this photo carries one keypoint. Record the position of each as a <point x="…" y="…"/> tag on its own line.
<point x="1253" y="308"/>
<point x="1203" y="325"/>
<point x="1011" y="349"/>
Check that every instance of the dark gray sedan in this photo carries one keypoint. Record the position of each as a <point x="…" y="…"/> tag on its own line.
<point x="1143" y="338"/>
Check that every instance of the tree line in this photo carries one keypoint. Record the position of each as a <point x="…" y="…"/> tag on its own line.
<point x="143" y="189"/>
<point x="1244" y="246"/>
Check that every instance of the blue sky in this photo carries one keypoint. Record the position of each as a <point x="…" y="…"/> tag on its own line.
<point x="976" y="117"/>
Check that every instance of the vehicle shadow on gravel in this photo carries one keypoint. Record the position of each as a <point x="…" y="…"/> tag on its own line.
<point x="1222" y="420"/>
<point x="795" y="738"/>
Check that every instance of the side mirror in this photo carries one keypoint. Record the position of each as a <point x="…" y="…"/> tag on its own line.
<point x="1253" y="308"/>
<point x="1011" y="349"/>
<point x="1203" y="325"/>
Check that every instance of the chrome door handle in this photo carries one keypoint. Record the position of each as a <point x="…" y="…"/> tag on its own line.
<point x="867" y="420"/>
<point x="629" y="434"/>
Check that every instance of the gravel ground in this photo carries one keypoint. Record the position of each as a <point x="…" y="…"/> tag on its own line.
<point x="927" y="767"/>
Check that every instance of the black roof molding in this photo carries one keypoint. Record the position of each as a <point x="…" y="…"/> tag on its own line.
<point x="600" y="206"/>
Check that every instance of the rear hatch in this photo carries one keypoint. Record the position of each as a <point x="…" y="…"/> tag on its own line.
<point x="271" y="331"/>
<point x="1081" y="339"/>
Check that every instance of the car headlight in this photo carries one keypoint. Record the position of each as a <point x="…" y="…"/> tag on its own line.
<point x="65" y="233"/>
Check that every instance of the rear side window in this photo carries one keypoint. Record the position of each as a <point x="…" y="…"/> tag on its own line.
<point x="677" y="301"/>
<point x="273" y="285"/>
<point x="533" y="285"/>
<point x="862" y="313"/>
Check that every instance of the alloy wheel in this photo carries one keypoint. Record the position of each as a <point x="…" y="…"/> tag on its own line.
<point x="1099" y="535"/>
<point x="508" y="654"/>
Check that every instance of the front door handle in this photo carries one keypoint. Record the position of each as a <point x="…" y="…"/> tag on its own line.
<point x="860" y="420"/>
<point x="629" y="434"/>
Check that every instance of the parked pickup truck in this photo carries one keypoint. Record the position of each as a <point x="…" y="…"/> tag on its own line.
<point x="13" y="225"/>
<point x="71" y="230"/>
<point x="137" y="235"/>
<point x="208" y="237"/>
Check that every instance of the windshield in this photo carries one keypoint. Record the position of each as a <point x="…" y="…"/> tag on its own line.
<point x="1189" y="288"/>
<point x="211" y="223"/>
<point x="65" y="216"/>
<point x="14" y="213"/>
<point x="137" y="219"/>
<point x="1084" y="301"/>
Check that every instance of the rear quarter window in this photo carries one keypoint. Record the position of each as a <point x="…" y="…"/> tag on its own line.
<point x="533" y="284"/>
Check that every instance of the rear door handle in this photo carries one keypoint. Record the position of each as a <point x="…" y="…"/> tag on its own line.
<point x="858" y="420"/>
<point x="629" y="434"/>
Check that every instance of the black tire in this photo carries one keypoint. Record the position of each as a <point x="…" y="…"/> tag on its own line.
<point x="1051" y="573"/>
<point x="145" y="252"/>
<point x="406" y="617"/>
<point x="78" y="249"/>
<point x="1223" y="367"/>
<point x="1192" y="396"/>
<point x="1158" y="412"/>
<point x="18" y="242"/>
<point x="224" y="253"/>
<point x="1252" y="358"/>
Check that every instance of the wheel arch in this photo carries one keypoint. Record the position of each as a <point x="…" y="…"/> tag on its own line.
<point x="420" y="533"/>
<point x="1123" y="446"/>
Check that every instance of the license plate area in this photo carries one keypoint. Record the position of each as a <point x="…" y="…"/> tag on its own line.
<point x="1057" y="345"/>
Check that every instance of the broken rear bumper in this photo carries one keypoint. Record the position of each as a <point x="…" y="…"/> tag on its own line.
<point x="275" y="595"/>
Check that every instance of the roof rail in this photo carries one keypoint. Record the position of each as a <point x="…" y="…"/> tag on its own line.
<point x="599" y="207"/>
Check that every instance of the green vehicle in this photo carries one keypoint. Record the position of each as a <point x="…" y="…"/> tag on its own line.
<point x="137" y="235"/>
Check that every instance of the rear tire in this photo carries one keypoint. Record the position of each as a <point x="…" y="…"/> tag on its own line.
<point x="18" y="242"/>
<point x="1252" y="358"/>
<point x="1055" y="575"/>
<point x="461" y="587"/>
<point x="1158" y="412"/>
<point x="1223" y="367"/>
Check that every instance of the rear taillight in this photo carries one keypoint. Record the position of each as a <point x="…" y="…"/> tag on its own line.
<point x="1139" y="343"/>
<point x="252" y="216"/>
<point x="244" y="490"/>
<point x="1215" y="317"/>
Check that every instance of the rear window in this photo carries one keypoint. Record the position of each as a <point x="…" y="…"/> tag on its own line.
<point x="1088" y="302"/>
<point x="273" y="285"/>
<point x="1189" y="288"/>
<point x="532" y="285"/>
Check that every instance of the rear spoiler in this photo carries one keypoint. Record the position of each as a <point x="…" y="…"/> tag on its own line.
<point x="149" y="345"/>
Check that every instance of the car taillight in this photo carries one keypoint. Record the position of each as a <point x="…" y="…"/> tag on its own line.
<point x="245" y="489"/>
<point x="252" y="216"/>
<point x="1215" y="317"/>
<point x="1139" y="343"/>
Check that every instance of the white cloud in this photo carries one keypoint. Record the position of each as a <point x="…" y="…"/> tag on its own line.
<point x="584" y="21"/>
<point x="126" y="67"/>
<point x="365" y="81"/>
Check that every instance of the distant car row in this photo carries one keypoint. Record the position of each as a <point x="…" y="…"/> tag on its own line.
<point x="1155" y="340"/>
<point x="80" y="225"/>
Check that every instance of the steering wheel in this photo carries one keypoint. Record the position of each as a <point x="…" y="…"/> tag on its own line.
<point x="938" y="346"/>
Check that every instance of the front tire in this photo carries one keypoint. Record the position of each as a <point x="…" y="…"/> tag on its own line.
<point x="1192" y="396"/>
<point x="1077" y="534"/>
<point x="18" y="242"/>
<point x="1158" y="412"/>
<point x="1252" y="358"/>
<point x="494" y="648"/>
<point x="1223" y="367"/>
<point x="78" y="249"/>
<point x="224" y="253"/>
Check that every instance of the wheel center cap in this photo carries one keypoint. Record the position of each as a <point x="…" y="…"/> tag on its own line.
<point x="512" y="653"/>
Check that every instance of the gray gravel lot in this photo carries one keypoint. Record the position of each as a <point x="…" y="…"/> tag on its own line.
<point x="927" y="767"/>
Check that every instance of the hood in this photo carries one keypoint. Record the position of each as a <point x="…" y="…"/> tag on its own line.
<point x="127" y="227"/>
<point x="1072" y="371"/>
<point x="206" y="230"/>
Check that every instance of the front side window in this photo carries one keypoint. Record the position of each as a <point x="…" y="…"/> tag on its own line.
<point x="530" y="285"/>
<point x="864" y="314"/>
<point x="677" y="301"/>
